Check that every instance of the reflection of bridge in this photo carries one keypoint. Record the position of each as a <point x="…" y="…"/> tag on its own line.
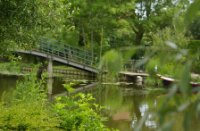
<point x="65" y="54"/>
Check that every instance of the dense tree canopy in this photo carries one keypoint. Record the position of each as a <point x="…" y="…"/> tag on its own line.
<point x="194" y="28"/>
<point x="86" y="23"/>
<point x="24" y="21"/>
<point x="120" y="23"/>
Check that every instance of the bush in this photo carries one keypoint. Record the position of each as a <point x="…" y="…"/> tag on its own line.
<point x="79" y="113"/>
<point x="28" y="108"/>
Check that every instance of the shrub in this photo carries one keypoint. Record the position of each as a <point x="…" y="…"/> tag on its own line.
<point x="79" y="113"/>
<point x="28" y="109"/>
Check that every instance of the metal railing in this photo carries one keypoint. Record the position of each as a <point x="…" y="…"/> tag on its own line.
<point x="67" y="52"/>
<point x="132" y="66"/>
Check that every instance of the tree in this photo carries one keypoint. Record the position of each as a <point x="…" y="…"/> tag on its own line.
<point x="194" y="28"/>
<point x="124" y="23"/>
<point x="102" y="21"/>
<point x="152" y="15"/>
<point x="25" y="21"/>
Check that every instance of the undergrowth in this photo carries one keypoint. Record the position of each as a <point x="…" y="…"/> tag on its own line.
<point x="28" y="108"/>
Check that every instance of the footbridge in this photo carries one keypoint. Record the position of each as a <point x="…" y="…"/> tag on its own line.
<point x="65" y="54"/>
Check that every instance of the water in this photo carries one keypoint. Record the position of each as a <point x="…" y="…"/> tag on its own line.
<point x="7" y="83"/>
<point x="125" y="106"/>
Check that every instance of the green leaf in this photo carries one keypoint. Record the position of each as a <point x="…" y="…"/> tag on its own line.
<point x="192" y="11"/>
<point x="112" y="61"/>
<point x="68" y="87"/>
<point x="185" y="80"/>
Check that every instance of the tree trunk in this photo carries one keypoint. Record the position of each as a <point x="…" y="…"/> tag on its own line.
<point x="81" y="38"/>
<point x="139" y="36"/>
<point x="139" y="33"/>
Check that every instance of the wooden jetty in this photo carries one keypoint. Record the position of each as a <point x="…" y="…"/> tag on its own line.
<point x="168" y="81"/>
<point x="133" y="74"/>
<point x="136" y="77"/>
<point x="140" y="76"/>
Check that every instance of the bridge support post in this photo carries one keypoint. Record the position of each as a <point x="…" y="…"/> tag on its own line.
<point x="50" y="77"/>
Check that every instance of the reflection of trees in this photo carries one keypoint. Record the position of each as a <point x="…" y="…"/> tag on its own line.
<point x="7" y="84"/>
<point x="118" y="102"/>
<point x="113" y="98"/>
<point x="136" y="102"/>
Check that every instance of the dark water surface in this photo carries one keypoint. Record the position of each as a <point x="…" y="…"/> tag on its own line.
<point x="7" y="83"/>
<point x="125" y="106"/>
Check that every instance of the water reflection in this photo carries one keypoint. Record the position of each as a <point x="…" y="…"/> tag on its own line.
<point x="126" y="106"/>
<point x="7" y="83"/>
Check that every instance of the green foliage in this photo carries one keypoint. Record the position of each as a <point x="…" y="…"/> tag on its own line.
<point x="168" y="53"/>
<point x="16" y="68"/>
<point x="191" y="19"/>
<point x="153" y="82"/>
<point x="151" y="66"/>
<point x="124" y="22"/>
<point x="23" y="22"/>
<point x="173" y="105"/>
<point x="78" y="113"/>
<point x="100" y="24"/>
<point x="33" y="116"/>
<point x="114" y="98"/>
<point x="173" y="59"/>
<point x="194" y="49"/>
<point x="112" y="61"/>
<point x="81" y="23"/>
<point x="28" y="108"/>
<point x="194" y="28"/>
<point x="29" y="90"/>
<point x="169" y="38"/>
<point x="69" y="87"/>
<point x="192" y="11"/>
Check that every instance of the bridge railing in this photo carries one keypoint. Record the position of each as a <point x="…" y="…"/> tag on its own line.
<point x="67" y="52"/>
<point x="132" y="66"/>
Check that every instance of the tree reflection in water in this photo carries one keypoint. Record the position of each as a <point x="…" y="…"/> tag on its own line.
<point x="126" y="106"/>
